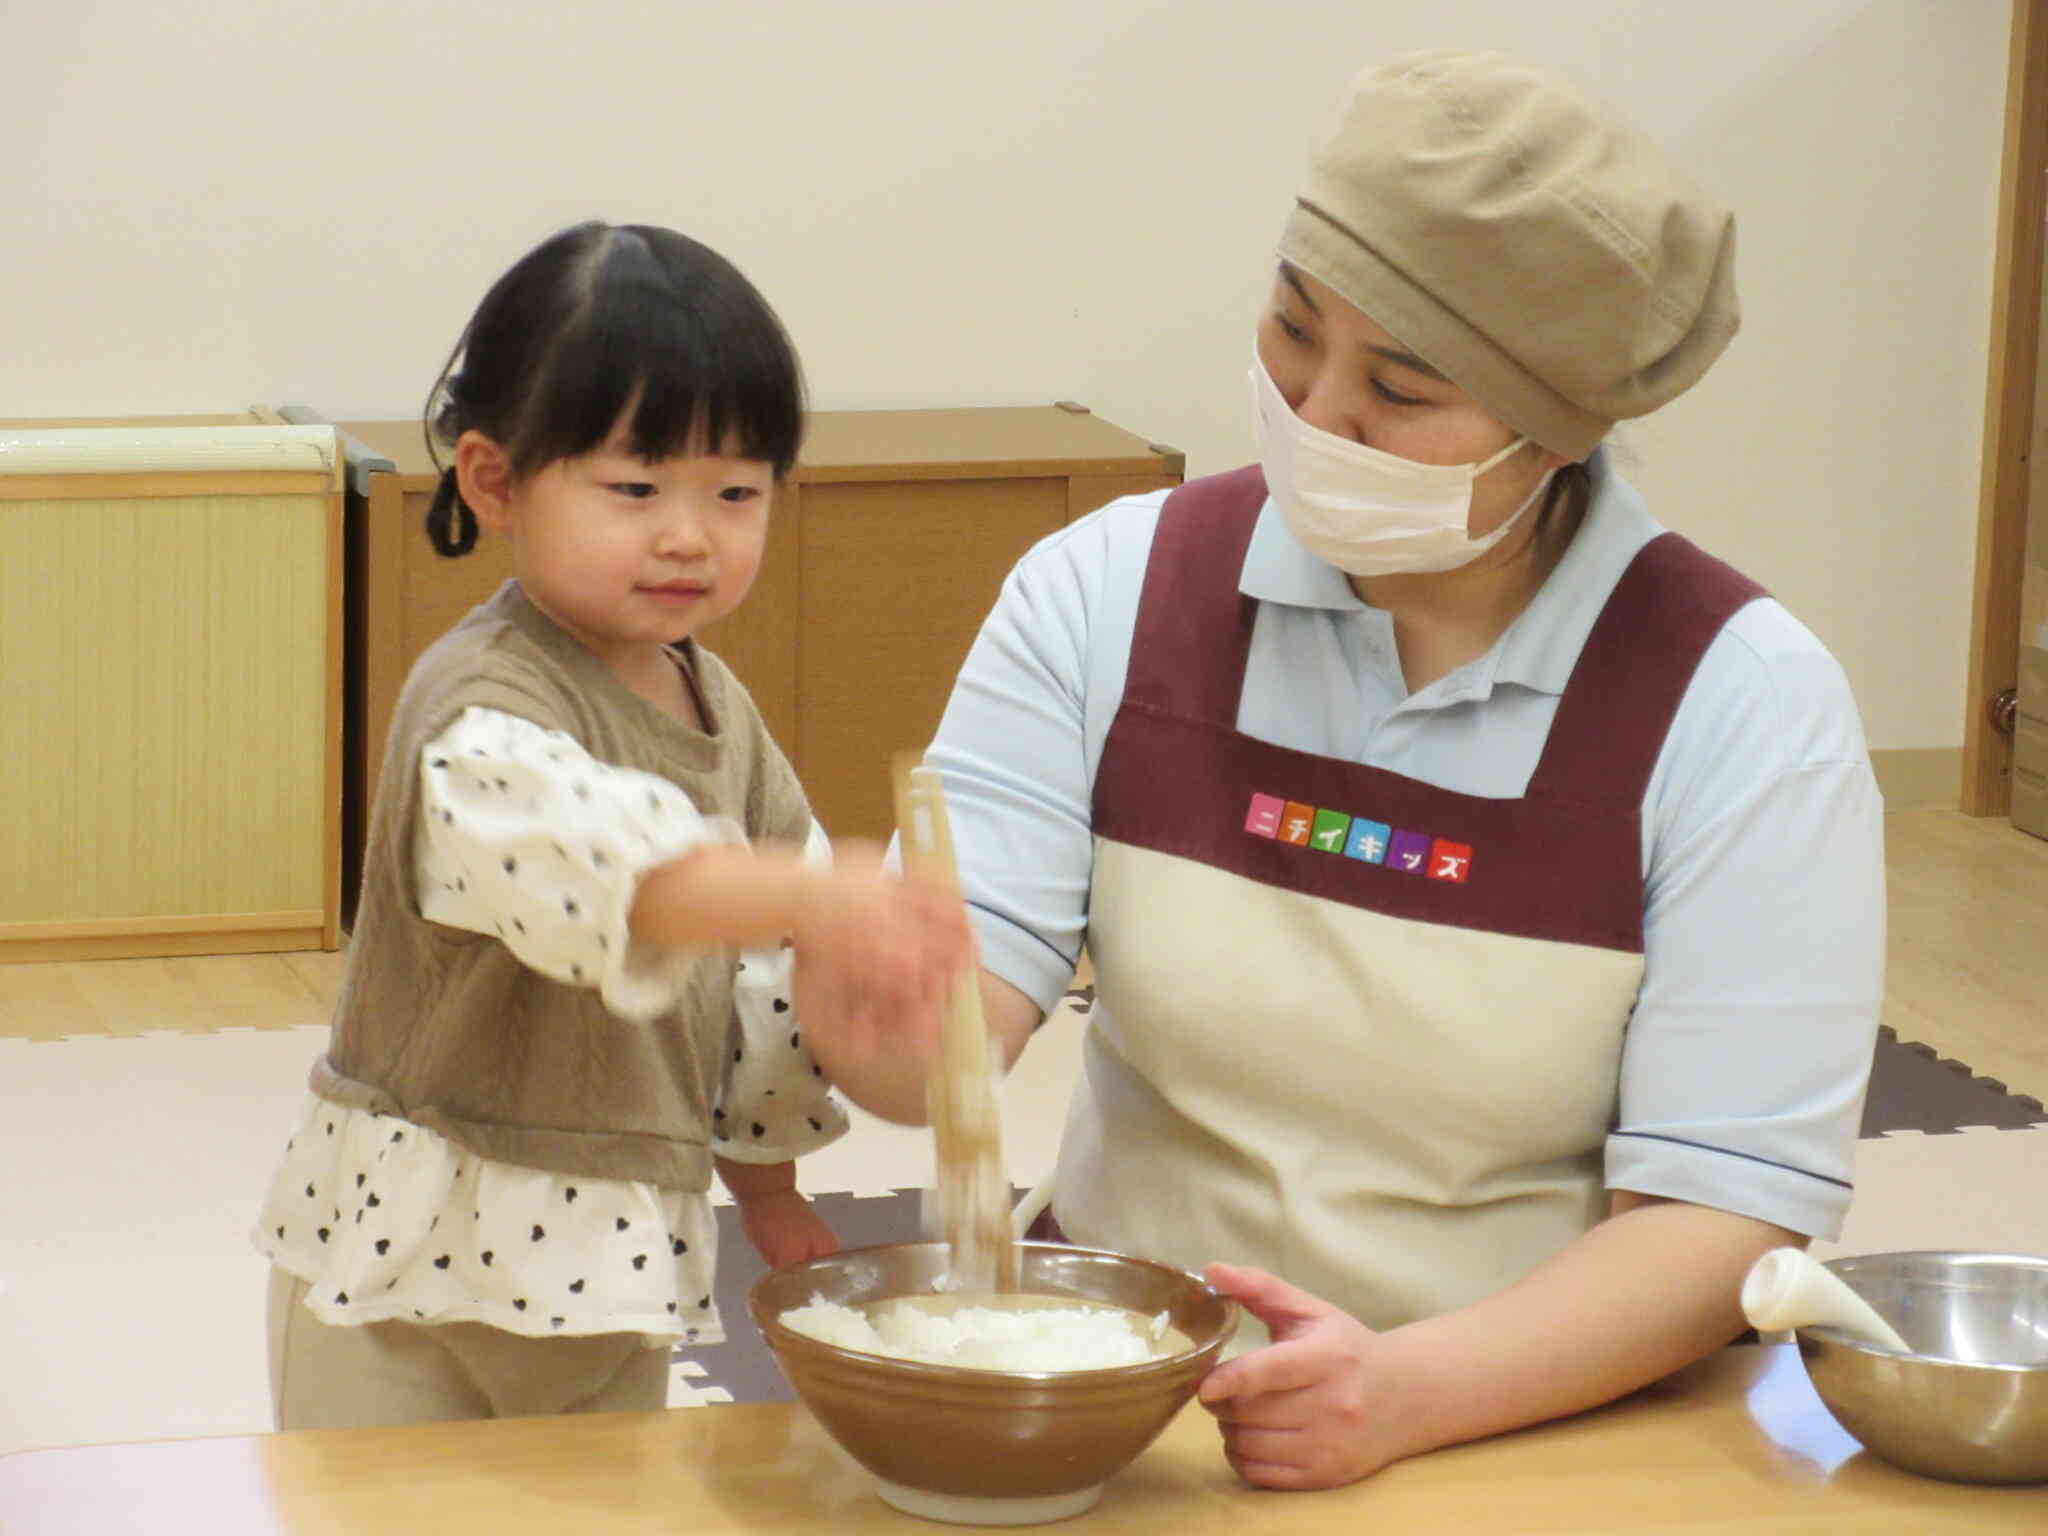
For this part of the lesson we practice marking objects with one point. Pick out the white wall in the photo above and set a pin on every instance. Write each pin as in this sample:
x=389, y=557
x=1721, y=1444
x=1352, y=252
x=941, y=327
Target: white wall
x=225, y=201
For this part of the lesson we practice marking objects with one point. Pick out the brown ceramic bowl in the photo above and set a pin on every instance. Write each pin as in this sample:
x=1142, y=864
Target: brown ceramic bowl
x=991, y=1447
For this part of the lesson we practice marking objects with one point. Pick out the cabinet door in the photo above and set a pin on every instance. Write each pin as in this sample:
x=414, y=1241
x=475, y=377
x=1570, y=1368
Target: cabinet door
x=2030, y=734
x=896, y=578
x=2030, y=724
x=760, y=640
x=169, y=676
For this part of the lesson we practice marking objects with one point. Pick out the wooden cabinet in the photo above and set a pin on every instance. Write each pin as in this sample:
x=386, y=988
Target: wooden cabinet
x=886, y=549
x=170, y=687
x=2030, y=720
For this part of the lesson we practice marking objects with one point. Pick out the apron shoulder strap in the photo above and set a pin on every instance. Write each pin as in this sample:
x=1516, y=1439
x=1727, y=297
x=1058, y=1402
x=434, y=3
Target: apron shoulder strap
x=1194, y=626
x=1625, y=689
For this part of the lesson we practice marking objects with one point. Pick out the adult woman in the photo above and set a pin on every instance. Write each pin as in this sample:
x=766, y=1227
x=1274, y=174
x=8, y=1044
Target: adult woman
x=1484, y=889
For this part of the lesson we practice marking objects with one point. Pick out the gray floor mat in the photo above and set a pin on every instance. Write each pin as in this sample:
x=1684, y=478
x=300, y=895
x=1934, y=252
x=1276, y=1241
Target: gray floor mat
x=1914, y=1088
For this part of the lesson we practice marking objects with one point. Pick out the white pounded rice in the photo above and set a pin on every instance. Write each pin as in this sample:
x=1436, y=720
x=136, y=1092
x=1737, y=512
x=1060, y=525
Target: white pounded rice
x=1059, y=1336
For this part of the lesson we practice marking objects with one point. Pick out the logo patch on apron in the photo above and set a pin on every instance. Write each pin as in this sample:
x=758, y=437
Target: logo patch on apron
x=1358, y=837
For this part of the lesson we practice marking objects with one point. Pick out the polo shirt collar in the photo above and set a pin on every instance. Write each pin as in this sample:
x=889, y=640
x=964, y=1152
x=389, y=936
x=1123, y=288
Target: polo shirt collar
x=1278, y=570
x=1541, y=647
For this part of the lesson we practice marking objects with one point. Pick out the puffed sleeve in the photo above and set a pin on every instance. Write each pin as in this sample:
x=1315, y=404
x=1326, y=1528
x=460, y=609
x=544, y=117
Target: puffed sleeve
x=525, y=836
x=776, y=1103
x=1748, y=1055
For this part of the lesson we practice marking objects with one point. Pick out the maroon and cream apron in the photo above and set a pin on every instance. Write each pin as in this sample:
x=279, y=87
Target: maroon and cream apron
x=1356, y=1029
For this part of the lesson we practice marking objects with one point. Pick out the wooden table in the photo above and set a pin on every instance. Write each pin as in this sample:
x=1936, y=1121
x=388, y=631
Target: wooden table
x=1738, y=1443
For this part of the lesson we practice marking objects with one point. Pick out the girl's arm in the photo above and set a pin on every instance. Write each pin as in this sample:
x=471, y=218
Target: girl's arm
x=886, y=943
x=1652, y=1288
x=721, y=894
x=607, y=877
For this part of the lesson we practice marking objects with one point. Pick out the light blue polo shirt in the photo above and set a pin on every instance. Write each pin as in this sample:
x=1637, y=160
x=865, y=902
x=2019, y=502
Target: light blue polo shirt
x=1749, y=1050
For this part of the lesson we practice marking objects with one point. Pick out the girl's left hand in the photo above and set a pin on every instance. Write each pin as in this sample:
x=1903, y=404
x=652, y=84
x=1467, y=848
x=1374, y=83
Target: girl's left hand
x=1308, y=1410
x=785, y=1228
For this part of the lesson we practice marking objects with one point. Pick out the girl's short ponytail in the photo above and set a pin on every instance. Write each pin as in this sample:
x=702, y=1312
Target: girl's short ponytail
x=451, y=526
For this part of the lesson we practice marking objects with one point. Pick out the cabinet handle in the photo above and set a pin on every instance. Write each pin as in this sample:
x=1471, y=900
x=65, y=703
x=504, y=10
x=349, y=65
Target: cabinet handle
x=2002, y=709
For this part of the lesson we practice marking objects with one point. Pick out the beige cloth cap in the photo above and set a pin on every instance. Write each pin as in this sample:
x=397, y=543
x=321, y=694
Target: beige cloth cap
x=1543, y=256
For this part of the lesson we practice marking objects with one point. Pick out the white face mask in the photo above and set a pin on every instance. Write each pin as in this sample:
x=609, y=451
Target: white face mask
x=1367, y=512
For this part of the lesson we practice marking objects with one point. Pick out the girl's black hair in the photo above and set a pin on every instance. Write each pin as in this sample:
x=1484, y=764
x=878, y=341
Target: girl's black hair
x=595, y=318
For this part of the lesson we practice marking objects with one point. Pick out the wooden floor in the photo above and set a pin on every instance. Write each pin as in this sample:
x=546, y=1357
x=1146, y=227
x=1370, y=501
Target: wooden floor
x=188, y=993
x=1967, y=974
x=1967, y=959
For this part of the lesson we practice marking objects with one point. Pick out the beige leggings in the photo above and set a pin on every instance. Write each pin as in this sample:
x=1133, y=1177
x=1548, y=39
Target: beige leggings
x=325, y=1377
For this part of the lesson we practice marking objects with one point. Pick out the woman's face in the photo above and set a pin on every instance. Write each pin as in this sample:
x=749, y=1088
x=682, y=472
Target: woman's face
x=1341, y=372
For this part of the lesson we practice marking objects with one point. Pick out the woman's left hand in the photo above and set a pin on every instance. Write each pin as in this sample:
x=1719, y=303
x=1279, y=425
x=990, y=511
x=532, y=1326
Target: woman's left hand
x=1308, y=1410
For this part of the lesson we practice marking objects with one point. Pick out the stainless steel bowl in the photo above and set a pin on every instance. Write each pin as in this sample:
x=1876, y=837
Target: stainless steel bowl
x=1970, y=1404
x=991, y=1447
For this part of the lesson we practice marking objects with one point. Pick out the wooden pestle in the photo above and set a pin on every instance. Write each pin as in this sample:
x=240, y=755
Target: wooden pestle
x=960, y=1096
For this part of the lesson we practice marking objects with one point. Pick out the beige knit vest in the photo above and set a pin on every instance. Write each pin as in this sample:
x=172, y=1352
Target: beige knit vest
x=446, y=1028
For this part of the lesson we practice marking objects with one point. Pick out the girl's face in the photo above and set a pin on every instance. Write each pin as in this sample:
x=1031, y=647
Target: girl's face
x=626, y=555
x=1341, y=372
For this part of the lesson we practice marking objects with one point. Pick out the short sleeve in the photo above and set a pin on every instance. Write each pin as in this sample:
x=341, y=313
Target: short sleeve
x=1748, y=1055
x=525, y=836
x=1015, y=747
x=776, y=1103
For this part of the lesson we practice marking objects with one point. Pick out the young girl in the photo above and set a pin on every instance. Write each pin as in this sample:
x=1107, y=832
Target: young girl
x=590, y=872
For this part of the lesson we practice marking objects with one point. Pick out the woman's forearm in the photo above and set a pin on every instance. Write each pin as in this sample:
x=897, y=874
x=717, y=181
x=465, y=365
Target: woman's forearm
x=1653, y=1288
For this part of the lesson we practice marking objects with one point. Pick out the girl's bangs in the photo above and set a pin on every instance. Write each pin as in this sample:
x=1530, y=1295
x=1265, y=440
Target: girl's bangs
x=699, y=376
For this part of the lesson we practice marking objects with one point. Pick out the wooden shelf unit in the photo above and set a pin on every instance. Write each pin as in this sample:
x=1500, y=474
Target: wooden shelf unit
x=170, y=686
